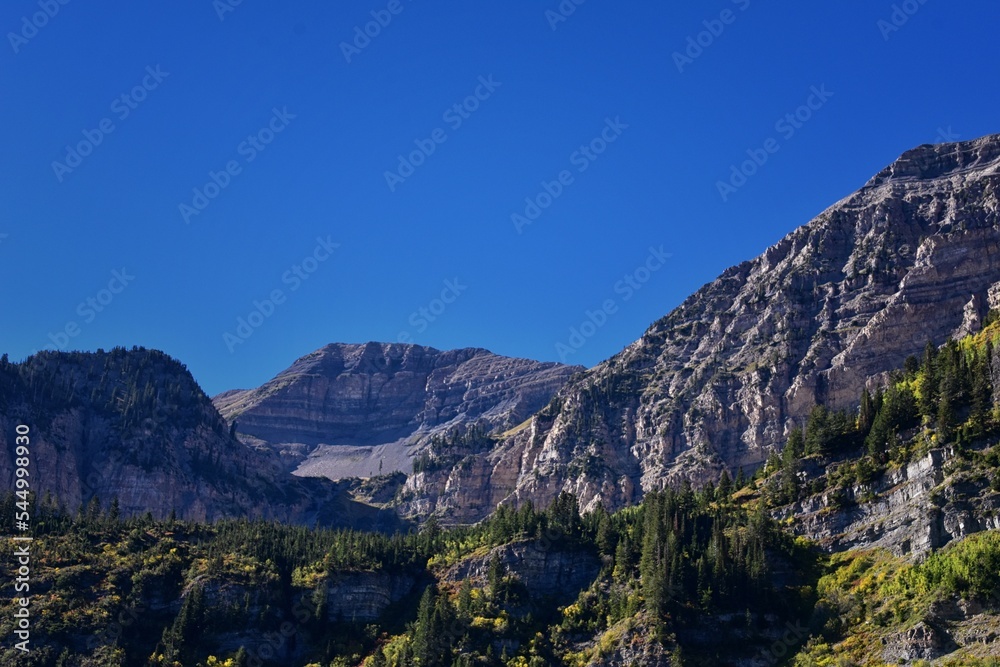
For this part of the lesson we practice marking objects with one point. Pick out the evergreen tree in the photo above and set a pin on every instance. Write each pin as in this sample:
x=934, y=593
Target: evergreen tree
x=981, y=390
x=928, y=385
x=725, y=486
x=651, y=563
x=866, y=413
x=114, y=514
x=465, y=599
x=819, y=434
x=794, y=448
x=564, y=514
x=495, y=578
x=605, y=531
x=423, y=629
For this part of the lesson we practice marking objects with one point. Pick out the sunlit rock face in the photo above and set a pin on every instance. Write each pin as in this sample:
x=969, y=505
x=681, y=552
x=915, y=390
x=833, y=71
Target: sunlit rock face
x=912, y=257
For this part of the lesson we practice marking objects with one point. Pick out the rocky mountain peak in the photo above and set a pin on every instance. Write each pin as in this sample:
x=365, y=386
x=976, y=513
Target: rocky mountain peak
x=134, y=426
x=912, y=257
x=359, y=409
x=936, y=161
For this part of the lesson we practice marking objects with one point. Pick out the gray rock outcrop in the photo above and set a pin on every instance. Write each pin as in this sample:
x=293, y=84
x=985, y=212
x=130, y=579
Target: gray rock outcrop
x=912, y=257
x=362, y=410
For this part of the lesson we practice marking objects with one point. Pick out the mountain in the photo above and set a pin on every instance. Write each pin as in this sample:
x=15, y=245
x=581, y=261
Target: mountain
x=134, y=426
x=871, y=540
x=912, y=257
x=362, y=410
x=855, y=367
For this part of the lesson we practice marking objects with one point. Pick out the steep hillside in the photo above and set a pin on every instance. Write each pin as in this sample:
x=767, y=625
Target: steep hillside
x=133, y=425
x=869, y=541
x=913, y=257
x=524, y=589
x=362, y=410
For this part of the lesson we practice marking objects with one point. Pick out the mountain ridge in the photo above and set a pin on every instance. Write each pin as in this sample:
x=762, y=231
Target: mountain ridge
x=133, y=426
x=351, y=409
x=717, y=383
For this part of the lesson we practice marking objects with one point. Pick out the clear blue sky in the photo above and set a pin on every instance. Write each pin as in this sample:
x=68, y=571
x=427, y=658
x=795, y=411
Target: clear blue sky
x=323, y=175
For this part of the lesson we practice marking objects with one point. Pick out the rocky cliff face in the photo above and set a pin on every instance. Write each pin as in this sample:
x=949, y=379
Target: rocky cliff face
x=365, y=596
x=914, y=256
x=909, y=511
x=543, y=568
x=135, y=426
x=361, y=410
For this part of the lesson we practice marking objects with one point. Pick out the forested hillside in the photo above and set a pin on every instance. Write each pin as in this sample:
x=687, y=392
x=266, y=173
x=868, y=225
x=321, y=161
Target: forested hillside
x=738, y=572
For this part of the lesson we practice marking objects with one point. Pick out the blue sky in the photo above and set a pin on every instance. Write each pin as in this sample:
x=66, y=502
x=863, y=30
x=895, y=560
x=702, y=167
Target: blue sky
x=590, y=116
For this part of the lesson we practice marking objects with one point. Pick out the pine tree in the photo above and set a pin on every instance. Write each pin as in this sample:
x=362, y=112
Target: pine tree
x=981, y=390
x=423, y=629
x=651, y=563
x=495, y=578
x=794, y=448
x=465, y=599
x=945, y=418
x=818, y=435
x=725, y=486
x=866, y=413
x=93, y=512
x=605, y=537
x=928, y=385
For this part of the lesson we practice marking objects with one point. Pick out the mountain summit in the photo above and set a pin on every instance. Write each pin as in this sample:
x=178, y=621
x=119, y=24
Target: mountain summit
x=913, y=257
x=360, y=410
